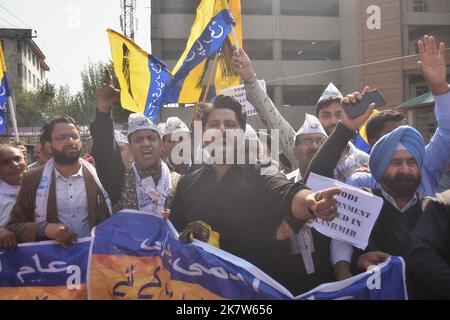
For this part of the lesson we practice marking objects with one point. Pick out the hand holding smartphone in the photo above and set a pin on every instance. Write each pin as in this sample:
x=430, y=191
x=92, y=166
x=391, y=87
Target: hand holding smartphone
x=354, y=110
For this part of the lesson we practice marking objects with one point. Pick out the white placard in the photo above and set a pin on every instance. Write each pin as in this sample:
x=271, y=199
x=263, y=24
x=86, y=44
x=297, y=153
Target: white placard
x=358, y=211
x=238, y=93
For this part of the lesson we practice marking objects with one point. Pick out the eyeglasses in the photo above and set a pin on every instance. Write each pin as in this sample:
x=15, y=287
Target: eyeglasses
x=63, y=138
x=7, y=162
x=310, y=142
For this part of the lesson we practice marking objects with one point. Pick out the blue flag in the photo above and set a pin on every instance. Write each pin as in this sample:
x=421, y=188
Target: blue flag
x=4, y=92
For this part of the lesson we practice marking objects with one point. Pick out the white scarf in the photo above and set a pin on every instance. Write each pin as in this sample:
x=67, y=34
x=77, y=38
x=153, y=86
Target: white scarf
x=8, y=189
x=151, y=198
x=44, y=189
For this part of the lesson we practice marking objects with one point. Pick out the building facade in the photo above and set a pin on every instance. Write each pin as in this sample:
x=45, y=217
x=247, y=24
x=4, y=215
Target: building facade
x=295, y=38
x=25, y=62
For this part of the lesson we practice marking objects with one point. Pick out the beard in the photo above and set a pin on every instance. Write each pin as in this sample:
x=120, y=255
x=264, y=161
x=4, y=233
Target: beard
x=64, y=158
x=402, y=185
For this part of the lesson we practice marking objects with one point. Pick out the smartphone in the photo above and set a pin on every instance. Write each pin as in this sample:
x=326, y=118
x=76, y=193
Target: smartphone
x=354, y=110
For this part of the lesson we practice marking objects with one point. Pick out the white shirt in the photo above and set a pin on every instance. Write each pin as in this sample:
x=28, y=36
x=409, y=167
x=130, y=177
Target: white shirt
x=8, y=196
x=71, y=203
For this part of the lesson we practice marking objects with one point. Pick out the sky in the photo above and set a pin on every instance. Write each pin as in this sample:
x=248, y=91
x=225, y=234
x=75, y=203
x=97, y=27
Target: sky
x=72, y=33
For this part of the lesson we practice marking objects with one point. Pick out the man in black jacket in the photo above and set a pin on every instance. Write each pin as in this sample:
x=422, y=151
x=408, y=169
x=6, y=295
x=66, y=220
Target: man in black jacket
x=429, y=251
x=245, y=206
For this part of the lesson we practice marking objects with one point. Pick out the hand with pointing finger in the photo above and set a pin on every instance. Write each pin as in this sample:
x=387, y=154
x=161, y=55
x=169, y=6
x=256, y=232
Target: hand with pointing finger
x=308, y=205
x=107, y=94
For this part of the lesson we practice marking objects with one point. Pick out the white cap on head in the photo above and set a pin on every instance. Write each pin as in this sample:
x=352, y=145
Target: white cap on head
x=330, y=92
x=137, y=121
x=120, y=138
x=311, y=125
x=250, y=133
x=175, y=125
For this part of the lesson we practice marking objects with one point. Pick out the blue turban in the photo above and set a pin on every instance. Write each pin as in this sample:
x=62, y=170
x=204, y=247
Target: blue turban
x=385, y=148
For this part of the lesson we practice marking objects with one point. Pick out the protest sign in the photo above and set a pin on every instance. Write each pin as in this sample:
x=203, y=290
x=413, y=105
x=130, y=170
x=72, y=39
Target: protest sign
x=358, y=211
x=238, y=93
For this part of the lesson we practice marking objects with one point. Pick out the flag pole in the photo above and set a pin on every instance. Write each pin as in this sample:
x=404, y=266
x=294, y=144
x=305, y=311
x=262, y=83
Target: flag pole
x=236, y=42
x=211, y=74
x=13, y=118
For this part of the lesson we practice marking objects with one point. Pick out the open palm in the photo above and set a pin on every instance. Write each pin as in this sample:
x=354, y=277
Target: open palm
x=432, y=63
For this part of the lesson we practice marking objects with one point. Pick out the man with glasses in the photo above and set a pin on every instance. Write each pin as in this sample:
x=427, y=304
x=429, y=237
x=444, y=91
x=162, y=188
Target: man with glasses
x=63, y=200
x=12, y=168
x=307, y=142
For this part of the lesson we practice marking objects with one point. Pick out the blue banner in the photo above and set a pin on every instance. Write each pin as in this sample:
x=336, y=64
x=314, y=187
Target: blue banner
x=384, y=282
x=139, y=256
x=135, y=255
x=44, y=271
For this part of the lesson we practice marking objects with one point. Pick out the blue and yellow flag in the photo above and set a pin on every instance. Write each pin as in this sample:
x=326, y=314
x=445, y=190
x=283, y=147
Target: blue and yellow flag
x=360, y=140
x=142, y=77
x=4, y=91
x=211, y=28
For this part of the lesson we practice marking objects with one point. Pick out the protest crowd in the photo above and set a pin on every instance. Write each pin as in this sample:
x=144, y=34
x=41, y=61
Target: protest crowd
x=218, y=181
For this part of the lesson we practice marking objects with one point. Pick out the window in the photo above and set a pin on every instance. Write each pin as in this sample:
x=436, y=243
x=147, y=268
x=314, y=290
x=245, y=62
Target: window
x=25, y=72
x=34, y=81
x=311, y=50
x=29, y=54
x=324, y=8
x=419, y=6
x=19, y=47
x=179, y=6
x=29, y=76
x=19, y=70
x=301, y=95
x=259, y=49
x=256, y=7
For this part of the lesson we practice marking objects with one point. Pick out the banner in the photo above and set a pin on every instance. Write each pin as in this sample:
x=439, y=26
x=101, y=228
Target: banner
x=138, y=256
x=384, y=282
x=238, y=93
x=358, y=211
x=44, y=271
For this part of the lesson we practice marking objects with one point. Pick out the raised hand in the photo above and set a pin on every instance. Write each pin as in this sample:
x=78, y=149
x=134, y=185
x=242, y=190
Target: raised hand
x=107, y=94
x=242, y=65
x=432, y=65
